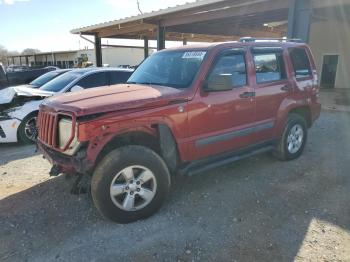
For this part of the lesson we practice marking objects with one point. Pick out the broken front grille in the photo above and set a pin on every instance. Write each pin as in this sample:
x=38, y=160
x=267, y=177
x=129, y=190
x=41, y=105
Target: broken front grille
x=47, y=125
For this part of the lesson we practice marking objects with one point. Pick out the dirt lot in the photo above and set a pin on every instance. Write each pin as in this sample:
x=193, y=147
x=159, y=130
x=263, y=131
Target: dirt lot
x=256, y=209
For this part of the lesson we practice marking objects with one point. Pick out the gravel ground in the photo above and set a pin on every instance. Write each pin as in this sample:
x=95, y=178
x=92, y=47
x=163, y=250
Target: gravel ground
x=257, y=209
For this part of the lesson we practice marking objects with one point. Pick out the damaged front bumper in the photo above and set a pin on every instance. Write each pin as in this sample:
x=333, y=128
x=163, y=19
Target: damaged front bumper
x=8, y=130
x=62, y=163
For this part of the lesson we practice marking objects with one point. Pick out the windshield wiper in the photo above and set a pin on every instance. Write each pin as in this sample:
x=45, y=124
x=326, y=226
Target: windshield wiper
x=151, y=83
x=146, y=83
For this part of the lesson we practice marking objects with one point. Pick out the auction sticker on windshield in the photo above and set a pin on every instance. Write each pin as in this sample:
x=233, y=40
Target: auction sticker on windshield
x=194, y=54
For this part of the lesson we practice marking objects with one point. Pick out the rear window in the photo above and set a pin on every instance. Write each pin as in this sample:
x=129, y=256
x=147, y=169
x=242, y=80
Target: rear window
x=269, y=67
x=301, y=63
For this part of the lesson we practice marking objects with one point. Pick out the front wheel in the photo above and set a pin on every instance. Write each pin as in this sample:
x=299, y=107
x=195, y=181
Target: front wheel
x=130, y=183
x=292, y=143
x=27, y=130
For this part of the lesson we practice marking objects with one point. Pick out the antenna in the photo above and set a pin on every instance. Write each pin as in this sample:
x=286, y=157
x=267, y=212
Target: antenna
x=138, y=7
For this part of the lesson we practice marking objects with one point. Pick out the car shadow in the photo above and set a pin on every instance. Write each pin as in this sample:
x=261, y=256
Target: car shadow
x=247, y=214
x=14, y=151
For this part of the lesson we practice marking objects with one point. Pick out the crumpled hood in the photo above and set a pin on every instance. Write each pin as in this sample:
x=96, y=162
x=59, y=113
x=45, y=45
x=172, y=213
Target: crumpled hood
x=8, y=94
x=114, y=98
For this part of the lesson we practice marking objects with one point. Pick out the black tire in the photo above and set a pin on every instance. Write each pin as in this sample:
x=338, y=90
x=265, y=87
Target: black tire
x=23, y=137
x=282, y=152
x=116, y=161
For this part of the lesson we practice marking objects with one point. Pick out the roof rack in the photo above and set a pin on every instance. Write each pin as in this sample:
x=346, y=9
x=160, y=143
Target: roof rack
x=283, y=39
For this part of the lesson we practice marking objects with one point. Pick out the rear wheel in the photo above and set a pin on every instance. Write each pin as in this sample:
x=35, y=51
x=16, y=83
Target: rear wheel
x=130, y=183
x=293, y=140
x=27, y=130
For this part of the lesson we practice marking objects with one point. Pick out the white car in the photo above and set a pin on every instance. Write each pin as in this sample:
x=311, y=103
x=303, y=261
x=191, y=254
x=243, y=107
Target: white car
x=19, y=105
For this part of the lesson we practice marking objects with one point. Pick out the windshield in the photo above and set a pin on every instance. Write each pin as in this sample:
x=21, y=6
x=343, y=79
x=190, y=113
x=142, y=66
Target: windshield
x=173, y=68
x=44, y=78
x=61, y=81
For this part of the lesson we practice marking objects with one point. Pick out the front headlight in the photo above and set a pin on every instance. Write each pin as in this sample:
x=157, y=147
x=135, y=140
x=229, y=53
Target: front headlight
x=65, y=127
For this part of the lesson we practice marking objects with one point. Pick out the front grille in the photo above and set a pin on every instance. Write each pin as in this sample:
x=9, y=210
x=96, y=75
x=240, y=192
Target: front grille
x=47, y=126
x=2, y=133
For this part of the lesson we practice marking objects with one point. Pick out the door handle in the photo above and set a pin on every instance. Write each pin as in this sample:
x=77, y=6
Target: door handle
x=247, y=95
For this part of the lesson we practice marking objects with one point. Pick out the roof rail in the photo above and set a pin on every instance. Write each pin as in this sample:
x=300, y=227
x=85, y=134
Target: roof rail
x=283, y=39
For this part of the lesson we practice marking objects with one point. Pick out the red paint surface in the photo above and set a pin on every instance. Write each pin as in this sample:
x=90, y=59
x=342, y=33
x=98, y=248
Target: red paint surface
x=129, y=108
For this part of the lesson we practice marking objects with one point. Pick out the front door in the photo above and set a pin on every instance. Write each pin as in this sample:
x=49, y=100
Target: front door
x=221, y=121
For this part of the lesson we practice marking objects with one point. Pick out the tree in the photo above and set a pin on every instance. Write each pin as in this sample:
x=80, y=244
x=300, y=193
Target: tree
x=3, y=54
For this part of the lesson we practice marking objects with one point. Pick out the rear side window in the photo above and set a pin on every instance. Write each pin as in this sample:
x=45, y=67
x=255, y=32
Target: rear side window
x=119, y=77
x=232, y=64
x=94, y=80
x=269, y=67
x=301, y=63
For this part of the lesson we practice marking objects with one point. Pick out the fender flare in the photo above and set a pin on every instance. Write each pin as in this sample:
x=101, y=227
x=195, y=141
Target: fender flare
x=168, y=147
x=283, y=111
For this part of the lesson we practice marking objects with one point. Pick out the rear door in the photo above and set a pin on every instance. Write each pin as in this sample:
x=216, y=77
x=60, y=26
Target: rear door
x=221, y=121
x=271, y=88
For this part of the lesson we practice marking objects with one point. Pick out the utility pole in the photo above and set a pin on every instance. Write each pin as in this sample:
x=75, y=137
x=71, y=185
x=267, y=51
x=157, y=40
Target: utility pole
x=138, y=7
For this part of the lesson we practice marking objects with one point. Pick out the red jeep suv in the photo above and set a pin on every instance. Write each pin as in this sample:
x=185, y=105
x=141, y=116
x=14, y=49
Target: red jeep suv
x=184, y=110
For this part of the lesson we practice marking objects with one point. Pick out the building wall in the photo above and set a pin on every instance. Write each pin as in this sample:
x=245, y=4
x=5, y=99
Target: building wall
x=114, y=56
x=330, y=36
x=59, y=57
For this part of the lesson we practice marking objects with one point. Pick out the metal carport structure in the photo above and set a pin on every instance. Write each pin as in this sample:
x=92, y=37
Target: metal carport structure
x=212, y=20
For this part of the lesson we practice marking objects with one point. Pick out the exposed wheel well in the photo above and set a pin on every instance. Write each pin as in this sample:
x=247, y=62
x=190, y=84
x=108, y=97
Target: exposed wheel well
x=131, y=138
x=303, y=112
x=163, y=143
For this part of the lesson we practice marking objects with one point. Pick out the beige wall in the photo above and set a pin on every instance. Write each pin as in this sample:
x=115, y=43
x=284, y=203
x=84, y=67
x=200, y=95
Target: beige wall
x=331, y=36
x=114, y=56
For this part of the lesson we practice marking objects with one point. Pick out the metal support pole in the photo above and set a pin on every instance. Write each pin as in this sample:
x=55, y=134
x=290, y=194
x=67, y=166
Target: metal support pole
x=299, y=19
x=13, y=60
x=54, y=59
x=160, y=37
x=35, y=60
x=98, y=51
x=184, y=41
x=145, y=46
x=27, y=61
x=20, y=60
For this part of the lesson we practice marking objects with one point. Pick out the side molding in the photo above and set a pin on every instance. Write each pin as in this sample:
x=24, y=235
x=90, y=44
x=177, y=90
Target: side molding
x=234, y=134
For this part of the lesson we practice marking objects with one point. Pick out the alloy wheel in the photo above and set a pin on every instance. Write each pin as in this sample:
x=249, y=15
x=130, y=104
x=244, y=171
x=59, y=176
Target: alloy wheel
x=133, y=188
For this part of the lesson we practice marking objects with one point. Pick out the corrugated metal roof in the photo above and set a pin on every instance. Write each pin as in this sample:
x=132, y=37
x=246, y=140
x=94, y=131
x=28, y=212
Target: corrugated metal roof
x=198, y=3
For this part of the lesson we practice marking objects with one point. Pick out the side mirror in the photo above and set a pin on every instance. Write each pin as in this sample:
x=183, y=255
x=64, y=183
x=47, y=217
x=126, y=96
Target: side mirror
x=76, y=88
x=217, y=83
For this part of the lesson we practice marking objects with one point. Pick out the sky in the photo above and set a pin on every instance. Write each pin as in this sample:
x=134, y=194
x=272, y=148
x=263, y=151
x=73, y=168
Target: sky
x=46, y=24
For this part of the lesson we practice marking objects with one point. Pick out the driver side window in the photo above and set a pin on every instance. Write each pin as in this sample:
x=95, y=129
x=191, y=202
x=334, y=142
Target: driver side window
x=232, y=64
x=93, y=80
